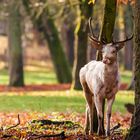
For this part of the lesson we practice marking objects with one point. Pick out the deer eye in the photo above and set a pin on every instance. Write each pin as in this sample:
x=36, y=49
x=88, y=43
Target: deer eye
x=113, y=51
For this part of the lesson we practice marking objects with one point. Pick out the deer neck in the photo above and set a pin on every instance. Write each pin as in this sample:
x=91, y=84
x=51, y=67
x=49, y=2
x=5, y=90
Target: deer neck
x=111, y=69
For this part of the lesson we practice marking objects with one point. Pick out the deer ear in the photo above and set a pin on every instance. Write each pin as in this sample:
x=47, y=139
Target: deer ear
x=95, y=44
x=119, y=46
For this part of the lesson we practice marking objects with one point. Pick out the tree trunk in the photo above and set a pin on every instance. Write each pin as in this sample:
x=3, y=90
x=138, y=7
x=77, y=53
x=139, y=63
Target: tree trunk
x=81, y=40
x=135, y=128
x=132, y=83
x=109, y=21
x=68, y=41
x=62, y=68
x=45, y=25
x=128, y=59
x=15, y=48
x=128, y=19
x=70, y=45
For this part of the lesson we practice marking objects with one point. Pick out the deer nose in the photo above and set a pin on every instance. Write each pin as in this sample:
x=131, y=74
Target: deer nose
x=104, y=61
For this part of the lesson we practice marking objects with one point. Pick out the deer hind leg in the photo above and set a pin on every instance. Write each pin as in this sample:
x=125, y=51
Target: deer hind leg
x=89, y=109
x=99, y=104
x=108, y=115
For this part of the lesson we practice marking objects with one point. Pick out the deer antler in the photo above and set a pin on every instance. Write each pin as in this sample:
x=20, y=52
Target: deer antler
x=127, y=39
x=120, y=44
x=92, y=36
x=98, y=44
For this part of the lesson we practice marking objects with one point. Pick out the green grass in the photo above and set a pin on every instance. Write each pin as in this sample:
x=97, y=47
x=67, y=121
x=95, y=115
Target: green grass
x=4, y=77
x=40, y=77
x=122, y=98
x=126, y=76
x=59, y=101
x=56, y=102
x=31, y=77
x=49, y=77
x=41, y=104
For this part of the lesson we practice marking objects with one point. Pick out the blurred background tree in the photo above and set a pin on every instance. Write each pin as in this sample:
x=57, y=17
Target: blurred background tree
x=81, y=40
x=15, y=48
x=44, y=22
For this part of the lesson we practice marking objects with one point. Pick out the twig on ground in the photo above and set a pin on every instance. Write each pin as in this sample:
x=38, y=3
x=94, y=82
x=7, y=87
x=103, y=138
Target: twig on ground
x=115, y=127
x=61, y=135
x=7, y=136
x=18, y=123
x=49, y=122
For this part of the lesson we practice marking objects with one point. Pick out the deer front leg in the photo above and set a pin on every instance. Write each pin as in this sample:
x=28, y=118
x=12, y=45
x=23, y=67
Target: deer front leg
x=98, y=103
x=109, y=109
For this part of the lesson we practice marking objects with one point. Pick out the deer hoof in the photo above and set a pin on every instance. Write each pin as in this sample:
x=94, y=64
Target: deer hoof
x=107, y=133
x=100, y=133
x=91, y=132
x=86, y=131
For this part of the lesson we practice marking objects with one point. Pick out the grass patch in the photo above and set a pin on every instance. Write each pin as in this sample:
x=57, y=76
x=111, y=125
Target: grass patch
x=47, y=76
x=126, y=76
x=32, y=77
x=56, y=102
x=122, y=98
x=40, y=77
x=4, y=78
x=41, y=104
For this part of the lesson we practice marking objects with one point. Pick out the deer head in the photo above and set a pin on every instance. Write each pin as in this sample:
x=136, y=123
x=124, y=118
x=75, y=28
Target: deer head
x=109, y=50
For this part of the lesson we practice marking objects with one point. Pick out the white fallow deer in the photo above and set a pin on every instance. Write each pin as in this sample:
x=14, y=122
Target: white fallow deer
x=99, y=80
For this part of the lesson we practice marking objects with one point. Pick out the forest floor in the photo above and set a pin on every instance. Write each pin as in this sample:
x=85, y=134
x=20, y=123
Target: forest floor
x=70, y=128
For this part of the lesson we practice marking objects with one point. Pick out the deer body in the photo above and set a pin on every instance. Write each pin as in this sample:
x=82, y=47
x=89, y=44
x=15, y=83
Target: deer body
x=98, y=75
x=99, y=80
